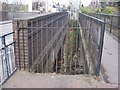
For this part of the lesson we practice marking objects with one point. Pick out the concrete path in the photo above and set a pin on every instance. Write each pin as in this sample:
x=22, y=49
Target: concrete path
x=110, y=57
x=23, y=79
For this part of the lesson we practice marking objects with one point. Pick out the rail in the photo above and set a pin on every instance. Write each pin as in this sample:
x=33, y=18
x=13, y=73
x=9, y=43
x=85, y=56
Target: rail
x=111, y=22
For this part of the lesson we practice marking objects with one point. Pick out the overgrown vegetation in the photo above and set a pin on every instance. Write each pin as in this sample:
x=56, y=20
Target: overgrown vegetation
x=110, y=10
x=107, y=10
x=86, y=10
x=72, y=36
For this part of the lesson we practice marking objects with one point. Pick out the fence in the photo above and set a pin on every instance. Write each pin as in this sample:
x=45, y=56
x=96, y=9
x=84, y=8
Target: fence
x=93, y=32
x=7, y=60
x=74, y=61
x=37, y=38
x=112, y=22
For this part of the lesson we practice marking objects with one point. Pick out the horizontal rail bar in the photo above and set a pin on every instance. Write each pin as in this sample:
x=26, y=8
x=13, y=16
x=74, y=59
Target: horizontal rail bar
x=94, y=18
x=45, y=24
x=112, y=24
x=6, y=34
x=7, y=45
x=5, y=22
x=37, y=16
x=107, y=14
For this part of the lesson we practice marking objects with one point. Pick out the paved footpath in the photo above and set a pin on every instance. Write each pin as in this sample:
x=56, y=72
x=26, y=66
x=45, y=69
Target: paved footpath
x=110, y=57
x=24, y=79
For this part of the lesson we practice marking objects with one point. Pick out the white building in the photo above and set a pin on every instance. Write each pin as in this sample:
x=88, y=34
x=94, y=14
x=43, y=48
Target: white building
x=37, y=6
x=74, y=8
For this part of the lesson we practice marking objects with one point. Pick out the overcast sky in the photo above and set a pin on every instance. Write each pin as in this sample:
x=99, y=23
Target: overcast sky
x=85, y=2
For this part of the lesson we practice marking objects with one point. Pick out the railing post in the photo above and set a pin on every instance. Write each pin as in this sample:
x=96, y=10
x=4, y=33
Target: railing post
x=111, y=24
x=18, y=44
x=90, y=27
x=100, y=49
x=5, y=57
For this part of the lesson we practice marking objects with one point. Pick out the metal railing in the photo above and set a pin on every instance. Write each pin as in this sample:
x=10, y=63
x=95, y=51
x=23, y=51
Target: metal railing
x=111, y=21
x=42, y=45
x=7, y=60
x=93, y=32
x=35, y=39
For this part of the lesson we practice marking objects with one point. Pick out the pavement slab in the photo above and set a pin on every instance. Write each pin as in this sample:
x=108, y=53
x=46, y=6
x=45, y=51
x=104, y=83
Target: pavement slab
x=110, y=58
x=24, y=79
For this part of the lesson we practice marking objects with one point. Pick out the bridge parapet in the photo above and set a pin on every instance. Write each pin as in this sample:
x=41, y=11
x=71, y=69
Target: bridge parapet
x=36, y=38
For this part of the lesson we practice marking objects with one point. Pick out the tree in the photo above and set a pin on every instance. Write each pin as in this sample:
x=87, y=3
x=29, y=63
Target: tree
x=24, y=8
x=58, y=4
x=4, y=6
x=82, y=5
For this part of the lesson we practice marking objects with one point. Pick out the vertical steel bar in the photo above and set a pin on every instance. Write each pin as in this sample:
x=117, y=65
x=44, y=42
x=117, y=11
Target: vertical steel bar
x=57, y=53
x=111, y=24
x=42, y=42
x=6, y=58
x=100, y=49
x=71, y=48
x=18, y=33
x=77, y=45
x=23, y=47
x=37, y=37
x=46, y=28
x=2, y=61
x=61, y=57
x=80, y=58
x=2, y=67
x=32, y=31
x=90, y=28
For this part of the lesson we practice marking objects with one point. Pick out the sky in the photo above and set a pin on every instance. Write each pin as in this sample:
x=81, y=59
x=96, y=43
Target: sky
x=66, y=2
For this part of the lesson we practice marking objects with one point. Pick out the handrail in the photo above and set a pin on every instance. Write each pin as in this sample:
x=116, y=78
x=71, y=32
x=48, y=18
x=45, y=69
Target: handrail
x=108, y=14
x=93, y=17
x=6, y=34
x=7, y=45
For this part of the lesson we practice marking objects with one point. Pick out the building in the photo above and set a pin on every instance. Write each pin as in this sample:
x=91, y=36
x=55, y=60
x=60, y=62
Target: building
x=3, y=13
x=55, y=7
x=94, y=4
x=38, y=6
x=74, y=8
